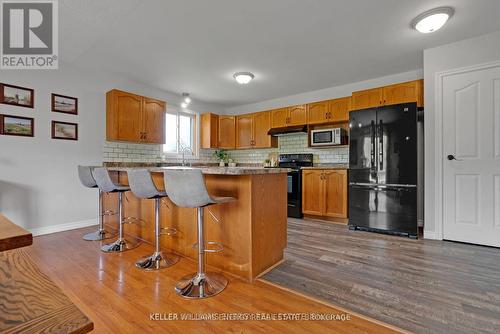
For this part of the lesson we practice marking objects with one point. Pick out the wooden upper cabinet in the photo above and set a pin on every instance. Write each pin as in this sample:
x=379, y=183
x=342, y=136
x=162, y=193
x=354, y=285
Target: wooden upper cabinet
x=245, y=131
x=339, y=109
x=261, y=126
x=335, y=193
x=404, y=93
x=154, y=121
x=312, y=192
x=134, y=118
x=209, y=132
x=317, y=112
x=279, y=118
x=227, y=132
x=297, y=115
x=367, y=99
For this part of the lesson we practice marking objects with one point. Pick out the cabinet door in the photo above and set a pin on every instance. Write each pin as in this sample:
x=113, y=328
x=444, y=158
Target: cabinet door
x=317, y=113
x=128, y=116
x=297, y=115
x=279, y=117
x=209, y=131
x=312, y=192
x=367, y=99
x=227, y=132
x=261, y=126
x=339, y=109
x=154, y=121
x=244, y=131
x=403, y=93
x=335, y=193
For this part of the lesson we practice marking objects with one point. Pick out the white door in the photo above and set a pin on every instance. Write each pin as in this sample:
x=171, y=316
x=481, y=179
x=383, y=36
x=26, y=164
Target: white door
x=471, y=139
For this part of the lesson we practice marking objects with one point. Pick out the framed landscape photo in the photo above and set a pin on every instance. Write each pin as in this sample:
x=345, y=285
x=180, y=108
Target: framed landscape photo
x=17, y=96
x=17, y=126
x=64, y=104
x=64, y=130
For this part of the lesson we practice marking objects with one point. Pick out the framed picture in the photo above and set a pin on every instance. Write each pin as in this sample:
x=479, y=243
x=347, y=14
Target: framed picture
x=17, y=96
x=64, y=130
x=17, y=126
x=64, y=104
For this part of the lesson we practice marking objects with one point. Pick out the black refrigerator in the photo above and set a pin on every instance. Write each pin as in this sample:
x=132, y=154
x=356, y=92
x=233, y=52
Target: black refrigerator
x=383, y=170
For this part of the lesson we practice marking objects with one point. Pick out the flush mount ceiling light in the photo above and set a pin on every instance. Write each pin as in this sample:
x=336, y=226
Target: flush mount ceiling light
x=432, y=20
x=243, y=77
x=186, y=100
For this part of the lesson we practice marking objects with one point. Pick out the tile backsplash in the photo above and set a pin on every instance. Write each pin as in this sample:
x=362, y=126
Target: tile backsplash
x=296, y=143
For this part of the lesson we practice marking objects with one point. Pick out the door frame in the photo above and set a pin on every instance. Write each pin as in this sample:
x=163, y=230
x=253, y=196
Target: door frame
x=438, y=143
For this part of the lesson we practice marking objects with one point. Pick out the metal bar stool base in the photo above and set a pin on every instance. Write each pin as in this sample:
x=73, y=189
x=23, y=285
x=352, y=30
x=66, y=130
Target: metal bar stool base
x=120, y=245
x=157, y=261
x=99, y=235
x=200, y=286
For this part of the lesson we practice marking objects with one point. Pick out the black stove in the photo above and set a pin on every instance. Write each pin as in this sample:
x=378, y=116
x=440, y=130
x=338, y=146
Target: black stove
x=295, y=162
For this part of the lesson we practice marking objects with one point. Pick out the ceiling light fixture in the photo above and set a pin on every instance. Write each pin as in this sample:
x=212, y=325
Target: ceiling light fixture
x=243, y=77
x=432, y=20
x=186, y=100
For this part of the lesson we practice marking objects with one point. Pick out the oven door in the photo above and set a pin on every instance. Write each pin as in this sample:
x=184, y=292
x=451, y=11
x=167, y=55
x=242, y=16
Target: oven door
x=322, y=137
x=294, y=189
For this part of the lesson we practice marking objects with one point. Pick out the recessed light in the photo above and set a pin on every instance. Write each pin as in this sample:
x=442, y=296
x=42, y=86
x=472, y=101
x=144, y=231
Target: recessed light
x=243, y=77
x=432, y=20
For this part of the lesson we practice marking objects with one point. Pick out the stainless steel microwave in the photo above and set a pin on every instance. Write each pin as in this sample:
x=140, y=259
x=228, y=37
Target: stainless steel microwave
x=328, y=137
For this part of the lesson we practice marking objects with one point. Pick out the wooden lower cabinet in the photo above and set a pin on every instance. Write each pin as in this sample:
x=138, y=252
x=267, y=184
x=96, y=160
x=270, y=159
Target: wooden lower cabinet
x=335, y=193
x=324, y=192
x=312, y=192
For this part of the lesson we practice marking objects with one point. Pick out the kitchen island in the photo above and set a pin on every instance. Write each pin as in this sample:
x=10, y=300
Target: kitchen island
x=252, y=229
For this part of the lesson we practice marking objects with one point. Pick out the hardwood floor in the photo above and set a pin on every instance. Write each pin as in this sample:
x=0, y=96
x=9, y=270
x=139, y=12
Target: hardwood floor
x=423, y=286
x=119, y=298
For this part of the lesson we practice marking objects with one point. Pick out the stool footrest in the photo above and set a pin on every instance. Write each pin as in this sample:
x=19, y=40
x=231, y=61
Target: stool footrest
x=132, y=220
x=109, y=213
x=218, y=249
x=168, y=231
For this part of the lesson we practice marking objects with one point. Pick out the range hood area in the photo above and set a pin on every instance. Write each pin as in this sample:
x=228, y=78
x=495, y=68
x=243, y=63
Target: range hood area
x=278, y=132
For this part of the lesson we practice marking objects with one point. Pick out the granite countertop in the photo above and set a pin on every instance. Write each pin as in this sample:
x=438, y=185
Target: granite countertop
x=211, y=170
x=328, y=166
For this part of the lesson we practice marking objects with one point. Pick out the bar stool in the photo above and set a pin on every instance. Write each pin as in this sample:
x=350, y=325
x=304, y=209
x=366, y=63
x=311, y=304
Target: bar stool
x=186, y=188
x=87, y=180
x=106, y=184
x=142, y=185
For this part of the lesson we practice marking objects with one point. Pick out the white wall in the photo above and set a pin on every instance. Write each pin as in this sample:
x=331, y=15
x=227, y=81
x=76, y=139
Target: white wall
x=465, y=53
x=39, y=187
x=325, y=94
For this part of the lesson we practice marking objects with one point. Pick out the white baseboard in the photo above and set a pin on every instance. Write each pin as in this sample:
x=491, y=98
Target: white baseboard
x=431, y=235
x=62, y=227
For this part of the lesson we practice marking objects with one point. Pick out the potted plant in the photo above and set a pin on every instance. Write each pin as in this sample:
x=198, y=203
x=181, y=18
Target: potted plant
x=231, y=163
x=267, y=163
x=222, y=156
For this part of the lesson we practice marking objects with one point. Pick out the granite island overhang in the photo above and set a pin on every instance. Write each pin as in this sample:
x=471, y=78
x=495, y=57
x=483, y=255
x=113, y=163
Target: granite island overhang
x=252, y=229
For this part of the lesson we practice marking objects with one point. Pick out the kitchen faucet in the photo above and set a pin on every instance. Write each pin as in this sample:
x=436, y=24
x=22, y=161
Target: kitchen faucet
x=184, y=150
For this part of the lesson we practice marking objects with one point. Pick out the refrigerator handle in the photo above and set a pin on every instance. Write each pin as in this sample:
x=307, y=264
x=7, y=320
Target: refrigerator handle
x=381, y=145
x=372, y=153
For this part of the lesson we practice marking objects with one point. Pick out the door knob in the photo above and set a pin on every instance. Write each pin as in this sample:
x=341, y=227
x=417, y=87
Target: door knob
x=452, y=157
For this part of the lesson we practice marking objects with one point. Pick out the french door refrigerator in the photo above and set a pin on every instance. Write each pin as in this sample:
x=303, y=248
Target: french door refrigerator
x=383, y=169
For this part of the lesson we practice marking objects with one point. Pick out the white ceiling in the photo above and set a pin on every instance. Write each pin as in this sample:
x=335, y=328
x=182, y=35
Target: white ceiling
x=291, y=46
